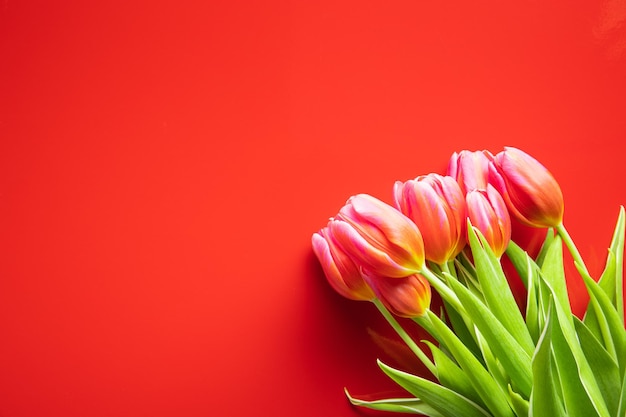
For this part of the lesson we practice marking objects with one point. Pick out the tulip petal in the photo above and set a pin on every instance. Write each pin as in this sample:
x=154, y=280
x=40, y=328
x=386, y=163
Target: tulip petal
x=369, y=255
x=341, y=272
x=532, y=194
x=405, y=297
x=385, y=229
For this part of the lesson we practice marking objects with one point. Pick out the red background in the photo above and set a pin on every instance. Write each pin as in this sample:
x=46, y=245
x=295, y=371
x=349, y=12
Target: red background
x=164, y=164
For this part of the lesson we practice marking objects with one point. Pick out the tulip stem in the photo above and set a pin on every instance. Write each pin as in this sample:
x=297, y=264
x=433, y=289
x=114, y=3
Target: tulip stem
x=443, y=290
x=571, y=246
x=405, y=337
x=445, y=268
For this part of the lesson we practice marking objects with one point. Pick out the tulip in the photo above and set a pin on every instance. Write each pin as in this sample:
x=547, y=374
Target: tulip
x=340, y=270
x=405, y=297
x=530, y=191
x=470, y=169
x=378, y=237
x=487, y=212
x=437, y=206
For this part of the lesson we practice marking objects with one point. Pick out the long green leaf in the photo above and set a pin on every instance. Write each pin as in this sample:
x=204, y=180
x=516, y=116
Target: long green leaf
x=496, y=290
x=517, y=256
x=513, y=357
x=622, y=399
x=581, y=394
x=468, y=277
x=493, y=364
x=552, y=270
x=603, y=366
x=461, y=329
x=544, y=247
x=397, y=405
x=520, y=405
x=545, y=399
x=608, y=278
x=533, y=322
x=612, y=280
x=489, y=391
x=576, y=399
x=613, y=333
x=445, y=401
x=450, y=375
x=594, y=319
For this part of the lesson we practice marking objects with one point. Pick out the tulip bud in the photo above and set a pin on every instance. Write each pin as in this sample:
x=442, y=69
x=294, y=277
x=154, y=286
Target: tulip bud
x=470, y=169
x=530, y=191
x=437, y=206
x=405, y=297
x=378, y=237
x=341, y=271
x=487, y=212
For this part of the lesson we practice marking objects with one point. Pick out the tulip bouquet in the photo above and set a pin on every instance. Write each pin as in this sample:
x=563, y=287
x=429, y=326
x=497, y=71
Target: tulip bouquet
x=488, y=356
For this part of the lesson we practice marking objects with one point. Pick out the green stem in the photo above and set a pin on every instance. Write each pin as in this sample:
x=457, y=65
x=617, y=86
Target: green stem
x=405, y=337
x=445, y=268
x=569, y=243
x=443, y=290
x=426, y=325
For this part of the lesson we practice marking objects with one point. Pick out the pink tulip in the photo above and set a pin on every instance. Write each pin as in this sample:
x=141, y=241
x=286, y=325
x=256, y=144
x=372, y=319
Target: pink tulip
x=530, y=191
x=405, y=297
x=470, y=169
x=437, y=206
x=341, y=271
x=378, y=237
x=487, y=212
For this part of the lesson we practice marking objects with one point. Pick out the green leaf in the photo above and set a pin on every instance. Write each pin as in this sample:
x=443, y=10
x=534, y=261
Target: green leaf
x=493, y=365
x=450, y=375
x=397, y=405
x=489, y=391
x=462, y=331
x=581, y=394
x=517, y=256
x=545, y=399
x=544, y=247
x=612, y=278
x=552, y=271
x=468, y=277
x=513, y=357
x=613, y=334
x=607, y=280
x=496, y=290
x=533, y=323
x=519, y=404
x=594, y=319
x=622, y=399
x=602, y=365
x=445, y=401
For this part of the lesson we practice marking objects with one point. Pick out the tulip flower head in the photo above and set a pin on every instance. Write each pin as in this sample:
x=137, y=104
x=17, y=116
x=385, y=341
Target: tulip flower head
x=487, y=212
x=470, y=169
x=340, y=270
x=437, y=206
x=530, y=191
x=378, y=237
x=405, y=297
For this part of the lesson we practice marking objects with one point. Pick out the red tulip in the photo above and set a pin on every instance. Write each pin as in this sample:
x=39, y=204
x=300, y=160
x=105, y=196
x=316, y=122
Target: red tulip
x=487, y=212
x=530, y=191
x=470, y=169
x=437, y=206
x=405, y=297
x=378, y=237
x=340, y=270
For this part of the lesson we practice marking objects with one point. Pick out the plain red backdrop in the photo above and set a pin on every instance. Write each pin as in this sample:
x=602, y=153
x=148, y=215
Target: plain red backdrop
x=163, y=165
